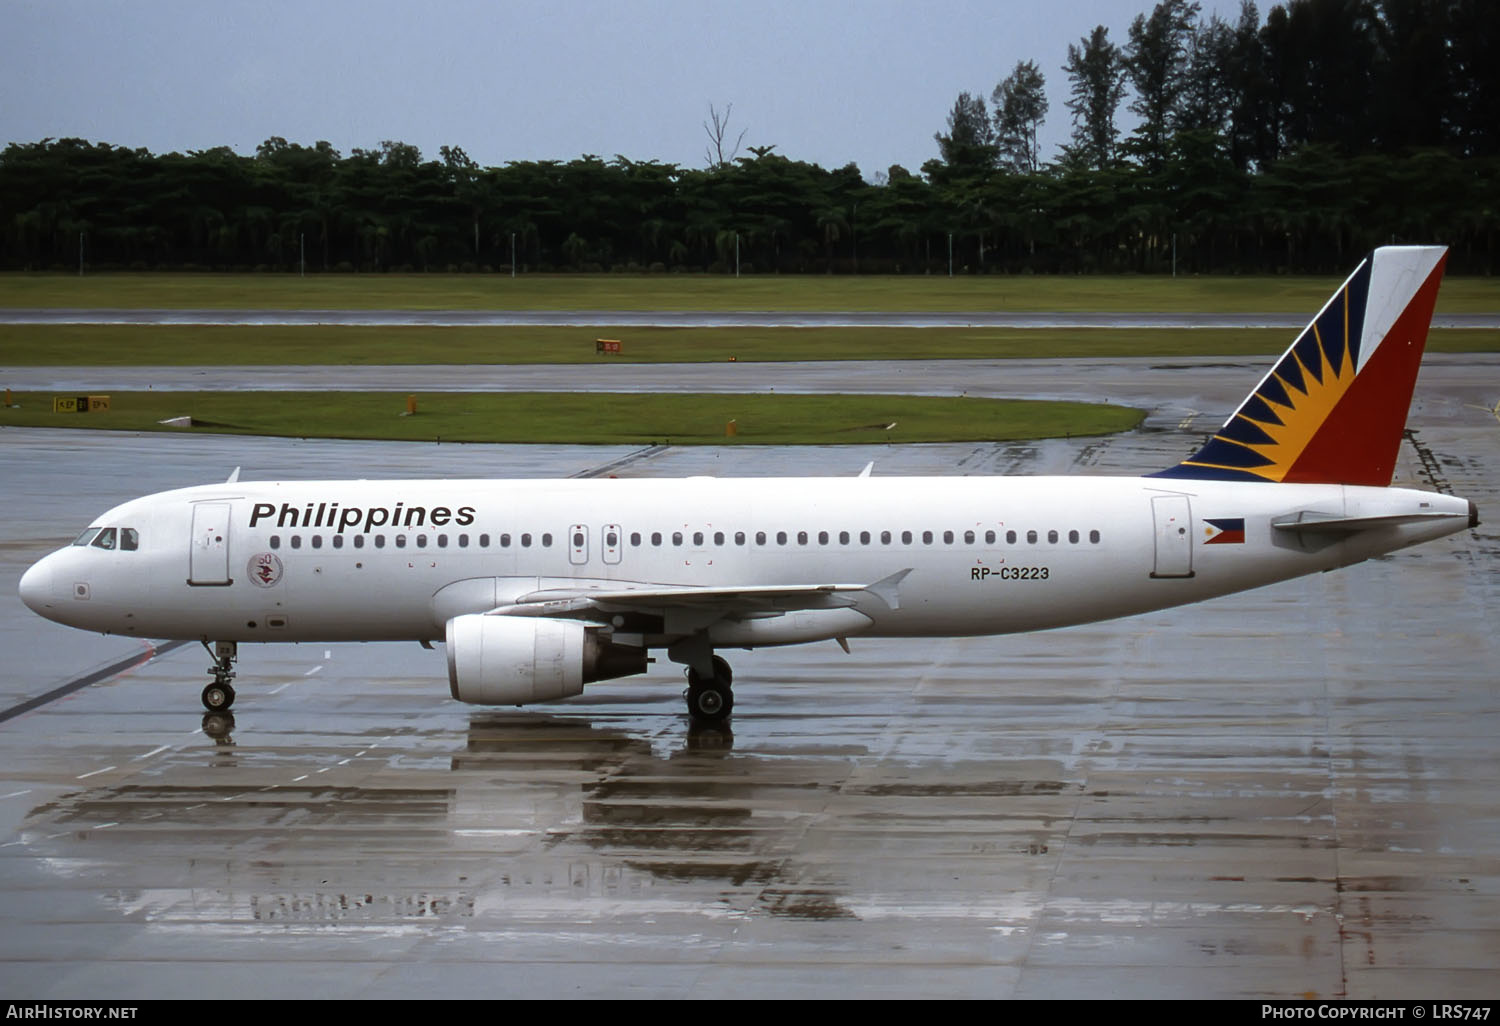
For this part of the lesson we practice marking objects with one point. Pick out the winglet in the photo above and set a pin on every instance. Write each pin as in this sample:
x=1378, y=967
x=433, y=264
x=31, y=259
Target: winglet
x=1333, y=408
x=887, y=589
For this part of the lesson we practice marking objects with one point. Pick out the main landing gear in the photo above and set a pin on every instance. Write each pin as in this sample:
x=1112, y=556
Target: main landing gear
x=710, y=699
x=218, y=695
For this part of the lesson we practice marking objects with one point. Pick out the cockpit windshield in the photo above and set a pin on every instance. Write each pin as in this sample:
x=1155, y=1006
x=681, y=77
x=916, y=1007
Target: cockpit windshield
x=127, y=539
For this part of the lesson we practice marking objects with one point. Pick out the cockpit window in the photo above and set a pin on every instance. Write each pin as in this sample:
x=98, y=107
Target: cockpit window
x=129, y=539
x=105, y=539
x=86, y=536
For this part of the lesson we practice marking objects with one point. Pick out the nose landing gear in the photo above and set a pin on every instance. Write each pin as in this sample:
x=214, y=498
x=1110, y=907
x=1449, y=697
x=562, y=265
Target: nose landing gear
x=218, y=695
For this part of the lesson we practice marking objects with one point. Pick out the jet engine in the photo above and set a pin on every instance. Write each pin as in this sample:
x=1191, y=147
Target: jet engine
x=513, y=660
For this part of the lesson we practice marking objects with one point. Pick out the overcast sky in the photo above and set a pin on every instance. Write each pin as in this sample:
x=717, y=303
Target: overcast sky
x=827, y=82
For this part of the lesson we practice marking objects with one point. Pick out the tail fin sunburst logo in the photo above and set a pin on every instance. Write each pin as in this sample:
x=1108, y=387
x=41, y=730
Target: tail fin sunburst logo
x=1332, y=409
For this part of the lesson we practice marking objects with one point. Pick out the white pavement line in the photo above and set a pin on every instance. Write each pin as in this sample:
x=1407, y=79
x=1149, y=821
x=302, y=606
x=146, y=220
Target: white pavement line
x=94, y=773
x=155, y=751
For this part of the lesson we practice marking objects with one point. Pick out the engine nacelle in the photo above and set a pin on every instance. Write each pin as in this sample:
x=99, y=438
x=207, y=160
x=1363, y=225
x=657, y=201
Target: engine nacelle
x=513, y=660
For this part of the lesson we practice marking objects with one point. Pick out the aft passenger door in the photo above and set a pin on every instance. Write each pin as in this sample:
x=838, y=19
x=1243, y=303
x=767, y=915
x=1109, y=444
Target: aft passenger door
x=1172, y=515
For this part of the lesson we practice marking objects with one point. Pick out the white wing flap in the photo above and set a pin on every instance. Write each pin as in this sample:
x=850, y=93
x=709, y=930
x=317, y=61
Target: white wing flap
x=771, y=598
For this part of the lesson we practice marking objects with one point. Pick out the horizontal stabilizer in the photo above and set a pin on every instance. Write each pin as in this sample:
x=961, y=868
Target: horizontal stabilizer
x=1312, y=522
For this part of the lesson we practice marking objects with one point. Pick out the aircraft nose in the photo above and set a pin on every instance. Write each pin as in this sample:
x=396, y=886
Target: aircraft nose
x=36, y=587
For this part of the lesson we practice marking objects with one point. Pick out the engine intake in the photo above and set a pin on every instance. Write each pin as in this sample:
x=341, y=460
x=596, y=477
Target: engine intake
x=513, y=660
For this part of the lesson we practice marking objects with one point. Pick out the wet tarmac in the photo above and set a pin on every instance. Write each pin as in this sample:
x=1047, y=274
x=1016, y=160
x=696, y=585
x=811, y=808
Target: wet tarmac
x=689, y=318
x=1291, y=792
x=1174, y=387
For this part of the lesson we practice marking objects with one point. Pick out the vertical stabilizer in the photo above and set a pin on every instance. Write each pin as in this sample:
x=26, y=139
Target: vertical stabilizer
x=1333, y=408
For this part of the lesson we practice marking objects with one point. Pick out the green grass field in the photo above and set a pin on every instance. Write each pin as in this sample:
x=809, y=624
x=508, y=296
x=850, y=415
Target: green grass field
x=602, y=419
x=146, y=345
x=703, y=292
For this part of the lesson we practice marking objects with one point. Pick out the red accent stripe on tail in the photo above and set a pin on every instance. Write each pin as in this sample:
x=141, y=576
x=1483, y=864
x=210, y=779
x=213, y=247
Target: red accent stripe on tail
x=1359, y=441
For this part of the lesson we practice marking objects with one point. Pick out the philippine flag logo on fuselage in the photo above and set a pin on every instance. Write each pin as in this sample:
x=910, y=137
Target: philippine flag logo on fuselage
x=1224, y=531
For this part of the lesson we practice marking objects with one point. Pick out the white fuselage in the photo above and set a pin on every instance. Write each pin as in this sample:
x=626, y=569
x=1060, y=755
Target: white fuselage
x=395, y=560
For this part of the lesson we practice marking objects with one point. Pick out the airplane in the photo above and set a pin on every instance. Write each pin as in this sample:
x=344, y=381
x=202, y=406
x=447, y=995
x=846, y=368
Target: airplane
x=537, y=588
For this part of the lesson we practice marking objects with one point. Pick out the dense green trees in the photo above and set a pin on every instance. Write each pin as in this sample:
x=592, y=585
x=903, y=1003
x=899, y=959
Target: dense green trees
x=1291, y=144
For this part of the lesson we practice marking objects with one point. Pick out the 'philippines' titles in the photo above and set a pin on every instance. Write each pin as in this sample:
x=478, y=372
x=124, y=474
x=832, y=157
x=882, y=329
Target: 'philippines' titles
x=364, y=519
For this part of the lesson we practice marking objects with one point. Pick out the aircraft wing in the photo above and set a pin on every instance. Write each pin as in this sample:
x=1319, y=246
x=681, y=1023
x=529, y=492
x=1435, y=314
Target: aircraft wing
x=735, y=601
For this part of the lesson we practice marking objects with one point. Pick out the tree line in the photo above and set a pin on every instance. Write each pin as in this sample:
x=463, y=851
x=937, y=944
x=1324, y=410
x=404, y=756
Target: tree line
x=1289, y=145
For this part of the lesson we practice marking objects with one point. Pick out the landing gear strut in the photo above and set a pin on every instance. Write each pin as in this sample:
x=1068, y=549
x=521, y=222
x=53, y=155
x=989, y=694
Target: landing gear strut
x=710, y=699
x=218, y=696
